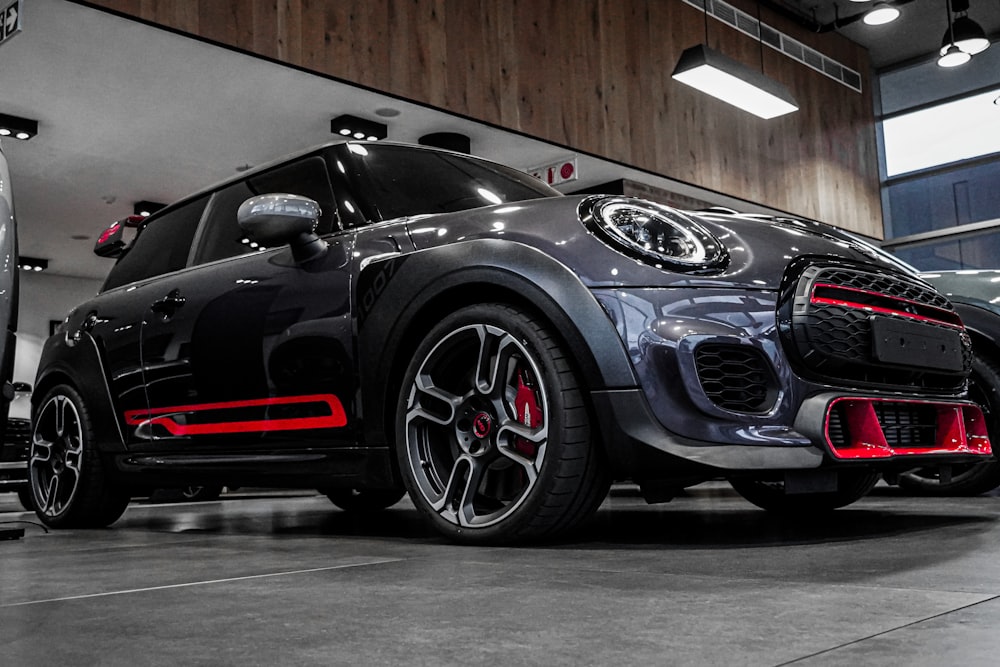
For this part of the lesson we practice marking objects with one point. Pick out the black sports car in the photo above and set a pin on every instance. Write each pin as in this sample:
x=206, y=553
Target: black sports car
x=365, y=318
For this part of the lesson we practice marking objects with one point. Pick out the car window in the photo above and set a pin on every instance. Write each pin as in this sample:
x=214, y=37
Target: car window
x=407, y=181
x=161, y=246
x=307, y=177
x=221, y=235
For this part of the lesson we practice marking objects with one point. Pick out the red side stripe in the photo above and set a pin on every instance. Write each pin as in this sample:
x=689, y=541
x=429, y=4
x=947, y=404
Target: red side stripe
x=335, y=419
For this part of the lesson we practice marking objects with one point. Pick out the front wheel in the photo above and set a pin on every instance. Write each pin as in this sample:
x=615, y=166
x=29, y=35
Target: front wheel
x=69, y=486
x=493, y=433
x=771, y=496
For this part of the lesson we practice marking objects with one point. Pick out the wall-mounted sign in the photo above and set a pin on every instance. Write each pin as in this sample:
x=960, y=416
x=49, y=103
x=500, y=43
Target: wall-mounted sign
x=556, y=172
x=10, y=20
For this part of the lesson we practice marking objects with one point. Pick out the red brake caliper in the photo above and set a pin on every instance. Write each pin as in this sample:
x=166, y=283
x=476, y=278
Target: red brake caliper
x=528, y=413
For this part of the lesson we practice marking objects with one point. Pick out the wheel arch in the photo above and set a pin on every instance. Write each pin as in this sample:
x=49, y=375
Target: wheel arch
x=80, y=367
x=429, y=284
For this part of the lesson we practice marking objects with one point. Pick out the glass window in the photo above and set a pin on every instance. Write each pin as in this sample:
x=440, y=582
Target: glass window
x=307, y=177
x=408, y=181
x=979, y=251
x=942, y=134
x=161, y=246
x=222, y=237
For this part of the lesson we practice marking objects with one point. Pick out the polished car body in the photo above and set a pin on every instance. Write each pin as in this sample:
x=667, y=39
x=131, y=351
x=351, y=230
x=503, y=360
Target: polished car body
x=368, y=317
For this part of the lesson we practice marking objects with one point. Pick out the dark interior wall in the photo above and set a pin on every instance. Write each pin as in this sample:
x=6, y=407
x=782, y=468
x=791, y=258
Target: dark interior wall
x=589, y=74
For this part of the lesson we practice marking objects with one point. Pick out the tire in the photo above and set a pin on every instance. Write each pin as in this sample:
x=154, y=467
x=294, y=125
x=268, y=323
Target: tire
x=770, y=495
x=493, y=434
x=187, y=494
x=364, y=500
x=969, y=479
x=69, y=486
x=24, y=497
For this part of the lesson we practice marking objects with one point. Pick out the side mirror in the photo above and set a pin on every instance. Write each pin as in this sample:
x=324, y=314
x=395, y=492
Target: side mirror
x=276, y=219
x=111, y=243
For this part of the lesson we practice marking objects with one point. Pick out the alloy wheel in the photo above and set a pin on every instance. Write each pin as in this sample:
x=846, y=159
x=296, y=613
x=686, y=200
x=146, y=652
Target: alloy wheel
x=56, y=458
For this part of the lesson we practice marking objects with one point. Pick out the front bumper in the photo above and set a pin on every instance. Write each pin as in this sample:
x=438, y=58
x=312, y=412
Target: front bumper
x=718, y=397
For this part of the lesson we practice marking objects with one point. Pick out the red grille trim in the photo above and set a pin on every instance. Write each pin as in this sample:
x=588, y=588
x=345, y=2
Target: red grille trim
x=960, y=428
x=832, y=297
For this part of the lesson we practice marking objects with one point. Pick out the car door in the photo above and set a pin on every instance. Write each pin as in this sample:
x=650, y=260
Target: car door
x=247, y=349
x=115, y=318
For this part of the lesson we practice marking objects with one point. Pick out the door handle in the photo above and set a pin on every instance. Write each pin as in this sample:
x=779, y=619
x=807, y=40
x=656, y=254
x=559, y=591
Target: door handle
x=169, y=304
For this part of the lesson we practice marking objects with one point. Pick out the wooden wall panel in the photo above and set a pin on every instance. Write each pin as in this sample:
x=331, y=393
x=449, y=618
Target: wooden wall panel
x=593, y=75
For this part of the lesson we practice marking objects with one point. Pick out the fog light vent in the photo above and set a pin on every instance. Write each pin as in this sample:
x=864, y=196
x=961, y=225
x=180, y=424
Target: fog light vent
x=736, y=378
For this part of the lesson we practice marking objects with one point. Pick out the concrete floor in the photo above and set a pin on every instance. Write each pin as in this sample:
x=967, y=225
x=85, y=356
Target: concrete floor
x=284, y=578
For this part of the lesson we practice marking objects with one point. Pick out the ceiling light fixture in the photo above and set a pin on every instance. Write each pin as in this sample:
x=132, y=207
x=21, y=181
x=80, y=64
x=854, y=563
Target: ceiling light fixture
x=19, y=128
x=732, y=82
x=34, y=264
x=881, y=14
x=358, y=128
x=963, y=32
x=951, y=54
x=146, y=208
x=451, y=141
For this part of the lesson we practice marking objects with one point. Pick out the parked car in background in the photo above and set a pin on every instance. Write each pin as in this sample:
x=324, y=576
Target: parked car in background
x=373, y=318
x=14, y=450
x=976, y=296
x=11, y=461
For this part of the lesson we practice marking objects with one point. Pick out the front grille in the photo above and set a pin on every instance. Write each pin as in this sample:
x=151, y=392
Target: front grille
x=829, y=329
x=903, y=425
x=736, y=378
x=16, y=440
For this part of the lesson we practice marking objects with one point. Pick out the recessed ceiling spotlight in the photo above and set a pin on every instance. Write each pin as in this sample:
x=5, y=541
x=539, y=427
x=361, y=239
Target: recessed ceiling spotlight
x=34, y=264
x=387, y=112
x=19, y=128
x=359, y=128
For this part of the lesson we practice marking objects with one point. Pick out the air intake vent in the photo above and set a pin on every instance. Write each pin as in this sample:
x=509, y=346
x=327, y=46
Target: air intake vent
x=779, y=41
x=736, y=378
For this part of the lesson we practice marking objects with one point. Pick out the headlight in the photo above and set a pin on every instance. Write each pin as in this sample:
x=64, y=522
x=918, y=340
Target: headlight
x=653, y=233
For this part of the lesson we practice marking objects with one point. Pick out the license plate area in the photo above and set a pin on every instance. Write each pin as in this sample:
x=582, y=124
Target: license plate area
x=910, y=343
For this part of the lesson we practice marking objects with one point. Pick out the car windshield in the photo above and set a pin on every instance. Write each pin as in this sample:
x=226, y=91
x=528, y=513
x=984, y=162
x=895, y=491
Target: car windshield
x=407, y=181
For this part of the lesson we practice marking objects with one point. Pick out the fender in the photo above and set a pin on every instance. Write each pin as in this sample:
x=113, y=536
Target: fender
x=80, y=366
x=983, y=325
x=404, y=296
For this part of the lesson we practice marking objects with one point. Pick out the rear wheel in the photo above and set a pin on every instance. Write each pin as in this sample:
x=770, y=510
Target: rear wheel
x=364, y=500
x=968, y=479
x=24, y=496
x=493, y=434
x=69, y=485
x=771, y=496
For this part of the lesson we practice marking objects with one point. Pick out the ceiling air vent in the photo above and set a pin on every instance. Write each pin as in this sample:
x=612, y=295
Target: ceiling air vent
x=779, y=41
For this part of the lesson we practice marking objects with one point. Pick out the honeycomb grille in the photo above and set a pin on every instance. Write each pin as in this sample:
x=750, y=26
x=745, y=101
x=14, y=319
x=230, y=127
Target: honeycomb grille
x=736, y=378
x=831, y=328
x=886, y=285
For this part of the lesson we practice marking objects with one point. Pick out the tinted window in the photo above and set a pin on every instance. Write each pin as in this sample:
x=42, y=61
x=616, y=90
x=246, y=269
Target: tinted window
x=222, y=236
x=407, y=181
x=161, y=246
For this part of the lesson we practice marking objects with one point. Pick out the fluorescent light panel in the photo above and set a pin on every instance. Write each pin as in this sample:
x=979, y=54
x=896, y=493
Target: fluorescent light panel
x=734, y=83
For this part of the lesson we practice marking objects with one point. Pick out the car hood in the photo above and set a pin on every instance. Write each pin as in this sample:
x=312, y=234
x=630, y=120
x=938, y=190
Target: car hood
x=760, y=250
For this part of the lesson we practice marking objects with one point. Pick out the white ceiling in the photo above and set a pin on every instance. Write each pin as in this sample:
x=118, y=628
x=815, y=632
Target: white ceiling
x=129, y=112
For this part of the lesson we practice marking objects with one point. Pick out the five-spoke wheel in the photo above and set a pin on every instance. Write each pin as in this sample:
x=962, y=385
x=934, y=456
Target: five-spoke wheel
x=493, y=434
x=68, y=484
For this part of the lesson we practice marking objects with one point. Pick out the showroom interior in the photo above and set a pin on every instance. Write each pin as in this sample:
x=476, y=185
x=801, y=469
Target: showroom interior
x=132, y=104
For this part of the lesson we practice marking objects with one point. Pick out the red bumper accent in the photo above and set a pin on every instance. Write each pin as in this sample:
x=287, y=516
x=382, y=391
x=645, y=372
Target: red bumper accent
x=168, y=417
x=958, y=428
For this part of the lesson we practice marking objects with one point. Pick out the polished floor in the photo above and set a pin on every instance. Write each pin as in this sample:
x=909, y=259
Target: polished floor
x=284, y=578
